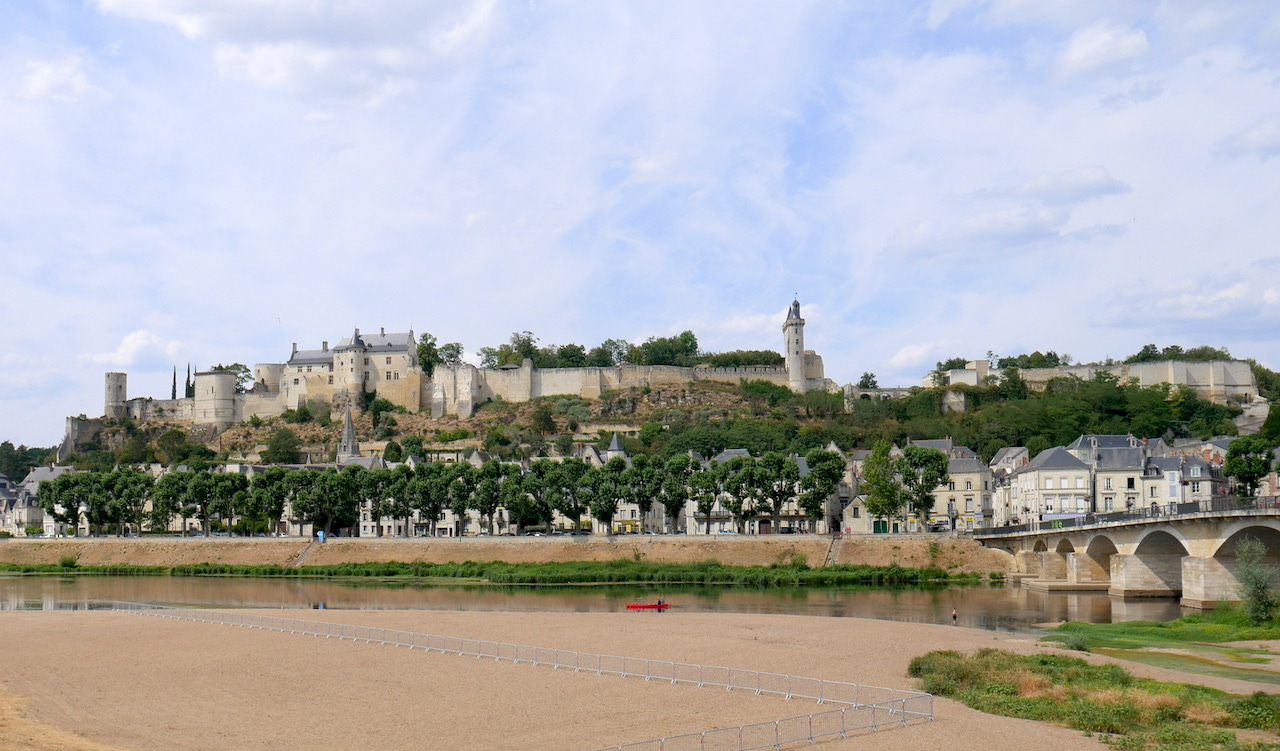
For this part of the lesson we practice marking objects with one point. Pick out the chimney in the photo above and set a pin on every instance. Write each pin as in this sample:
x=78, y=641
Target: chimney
x=382, y=331
x=295, y=348
x=324, y=346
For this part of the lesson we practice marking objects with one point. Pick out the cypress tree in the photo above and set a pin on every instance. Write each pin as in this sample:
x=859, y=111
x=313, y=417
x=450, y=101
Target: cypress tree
x=173, y=394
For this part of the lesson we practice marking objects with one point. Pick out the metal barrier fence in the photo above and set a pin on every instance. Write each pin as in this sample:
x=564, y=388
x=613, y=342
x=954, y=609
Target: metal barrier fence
x=867, y=708
x=1224, y=506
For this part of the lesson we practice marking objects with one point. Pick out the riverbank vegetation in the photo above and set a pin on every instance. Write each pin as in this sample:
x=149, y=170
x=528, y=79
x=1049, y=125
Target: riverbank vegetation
x=1126, y=712
x=1228, y=623
x=793, y=573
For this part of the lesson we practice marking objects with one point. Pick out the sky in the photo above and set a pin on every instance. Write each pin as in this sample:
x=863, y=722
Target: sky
x=209, y=181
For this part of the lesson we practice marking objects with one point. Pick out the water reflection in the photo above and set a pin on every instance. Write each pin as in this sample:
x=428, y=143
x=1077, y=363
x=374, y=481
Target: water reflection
x=1002, y=608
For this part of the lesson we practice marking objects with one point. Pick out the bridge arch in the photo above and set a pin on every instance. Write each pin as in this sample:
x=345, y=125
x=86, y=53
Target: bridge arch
x=1095, y=561
x=1266, y=531
x=1057, y=563
x=1155, y=567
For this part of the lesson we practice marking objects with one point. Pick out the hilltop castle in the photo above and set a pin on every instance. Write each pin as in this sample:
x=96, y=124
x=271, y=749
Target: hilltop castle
x=387, y=365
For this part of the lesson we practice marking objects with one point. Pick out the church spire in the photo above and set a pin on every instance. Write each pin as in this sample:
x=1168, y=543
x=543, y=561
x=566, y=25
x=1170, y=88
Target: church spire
x=348, y=447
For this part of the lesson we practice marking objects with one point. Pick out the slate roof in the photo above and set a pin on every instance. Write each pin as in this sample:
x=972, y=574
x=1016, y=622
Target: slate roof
x=941, y=444
x=1005, y=454
x=31, y=483
x=1054, y=458
x=394, y=342
x=1104, y=442
x=728, y=454
x=1120, y=458
x=312, y=357
x=961, y=466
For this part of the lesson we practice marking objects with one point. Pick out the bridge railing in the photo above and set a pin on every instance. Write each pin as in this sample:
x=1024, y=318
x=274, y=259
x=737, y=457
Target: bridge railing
x=1219, y=505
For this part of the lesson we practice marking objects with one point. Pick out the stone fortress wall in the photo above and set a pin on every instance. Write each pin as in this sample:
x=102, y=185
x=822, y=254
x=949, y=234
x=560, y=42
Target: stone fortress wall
x=1222, y=381
x=386, y=365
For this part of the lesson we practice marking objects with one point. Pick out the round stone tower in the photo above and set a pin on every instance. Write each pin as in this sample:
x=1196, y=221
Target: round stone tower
x=117, y=394
x=215, y=402
x=349, y=370
x=793, y=349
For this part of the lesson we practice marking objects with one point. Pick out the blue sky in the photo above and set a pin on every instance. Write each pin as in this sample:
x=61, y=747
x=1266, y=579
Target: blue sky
x=210, y=180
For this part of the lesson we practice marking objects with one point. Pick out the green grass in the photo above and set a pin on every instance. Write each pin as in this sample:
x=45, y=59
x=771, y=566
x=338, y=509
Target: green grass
x=622, y=571
x=1225, y=624
x=1126, y=712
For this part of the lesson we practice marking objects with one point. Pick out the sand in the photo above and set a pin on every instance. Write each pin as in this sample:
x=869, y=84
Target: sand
x=95, y=681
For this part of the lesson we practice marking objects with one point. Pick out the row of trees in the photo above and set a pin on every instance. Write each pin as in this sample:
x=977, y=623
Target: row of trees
x=126, y=499
x=681, y=349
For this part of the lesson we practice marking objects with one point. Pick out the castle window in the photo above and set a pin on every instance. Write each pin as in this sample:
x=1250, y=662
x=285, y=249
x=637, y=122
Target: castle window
x=388, y=375
x=308, y=368
x=366, y=361
x=295, y=382
x=330, y=380
x=388, y=360
x=397, y=376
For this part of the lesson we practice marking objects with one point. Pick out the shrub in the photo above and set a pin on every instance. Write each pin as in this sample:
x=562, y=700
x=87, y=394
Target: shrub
x=68, y=561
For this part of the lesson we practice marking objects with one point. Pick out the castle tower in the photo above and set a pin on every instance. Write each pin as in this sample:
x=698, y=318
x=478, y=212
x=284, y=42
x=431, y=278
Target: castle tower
x=349, y=370
x=117, y=394
x=793, y=349
x=215, y=400
x=348, y=447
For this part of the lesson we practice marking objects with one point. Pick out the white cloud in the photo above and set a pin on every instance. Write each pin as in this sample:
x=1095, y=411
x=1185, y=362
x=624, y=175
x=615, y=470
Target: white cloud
x=914, y=355
x=135, y=347
x=1072, y=186
x=62, y=80
x=1100, y=46
x=1262, y=140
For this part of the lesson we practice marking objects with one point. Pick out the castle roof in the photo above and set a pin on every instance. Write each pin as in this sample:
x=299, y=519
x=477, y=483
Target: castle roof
x=380, y=342
x=794, y=313
x=312, y=357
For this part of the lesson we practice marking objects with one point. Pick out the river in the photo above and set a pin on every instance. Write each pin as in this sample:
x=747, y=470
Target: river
x=1001, y=607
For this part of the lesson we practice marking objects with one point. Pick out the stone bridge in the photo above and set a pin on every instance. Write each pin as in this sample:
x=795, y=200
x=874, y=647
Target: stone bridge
x=1187, y=552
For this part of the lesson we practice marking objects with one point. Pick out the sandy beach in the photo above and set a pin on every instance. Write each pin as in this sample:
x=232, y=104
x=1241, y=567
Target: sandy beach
x=102, y=680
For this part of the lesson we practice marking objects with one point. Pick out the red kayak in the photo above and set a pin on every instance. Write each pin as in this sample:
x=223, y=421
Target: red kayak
x=648, y=605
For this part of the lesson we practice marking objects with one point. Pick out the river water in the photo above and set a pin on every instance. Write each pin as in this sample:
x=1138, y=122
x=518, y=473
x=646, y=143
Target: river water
x=1004, y=607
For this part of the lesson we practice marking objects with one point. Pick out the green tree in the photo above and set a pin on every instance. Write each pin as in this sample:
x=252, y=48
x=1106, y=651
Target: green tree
x=778, y=482
x=704, y=490
x=1249, y=459
x=428, y=354
x=393, y=452
x=412, y=446
x=922, y=470
x=267, y=497
x=462, y=488
x=569, y=488
x=283, y=447
x=571, y=356
x=451, y=353
x=328, y=500
x=644, y=484
x=675, y=488
x=740, y=489
x=868, y=380
x=129, y=489
x=666, y=350
x=1257, y=580
x=880, y=481
x=608, y=353
x=826, y=470
x=610, y=488
x=541, y=420
x=376, y=489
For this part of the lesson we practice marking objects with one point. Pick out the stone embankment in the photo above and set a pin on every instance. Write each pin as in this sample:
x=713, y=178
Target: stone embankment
x=954, y=554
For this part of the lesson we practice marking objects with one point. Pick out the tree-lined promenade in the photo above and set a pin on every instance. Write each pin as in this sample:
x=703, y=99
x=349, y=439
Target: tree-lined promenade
x=568, y=491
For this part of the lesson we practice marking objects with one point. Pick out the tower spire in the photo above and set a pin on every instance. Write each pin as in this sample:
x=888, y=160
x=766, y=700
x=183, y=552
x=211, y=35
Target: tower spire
x=348, y=447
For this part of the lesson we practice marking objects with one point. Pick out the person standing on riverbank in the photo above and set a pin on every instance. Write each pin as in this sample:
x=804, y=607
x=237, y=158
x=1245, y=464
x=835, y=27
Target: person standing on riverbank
x=954, y=617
